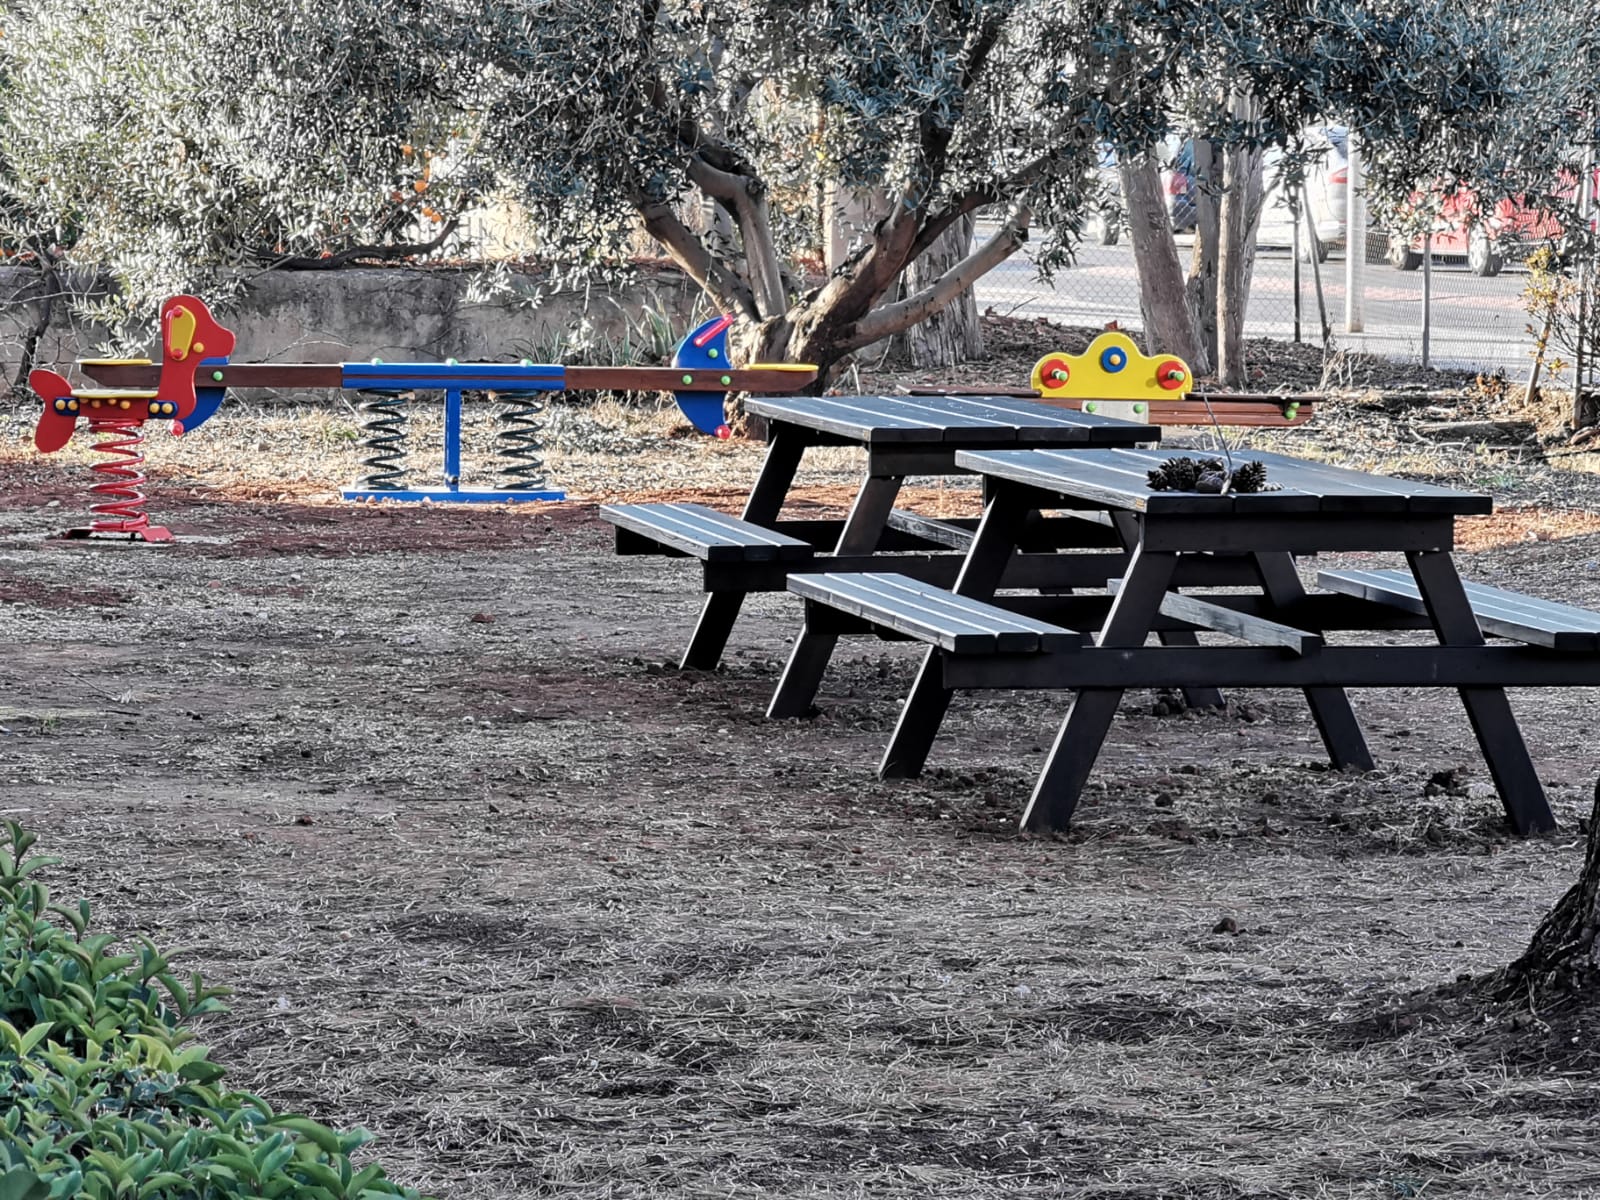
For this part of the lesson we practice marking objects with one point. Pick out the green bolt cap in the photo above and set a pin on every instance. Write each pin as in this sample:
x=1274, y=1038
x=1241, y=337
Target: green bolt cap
x=726, y=380
x=217, y=375
x=1138, y=408
x=711, y=353
x=1090, y=406
x=688, y=378
x=450, y=362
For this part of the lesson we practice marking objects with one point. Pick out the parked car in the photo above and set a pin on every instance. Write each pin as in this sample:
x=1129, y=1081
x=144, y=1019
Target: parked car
x=1487, y=239
x=1107, y=221
x=1182, y=188
x=1326, y=196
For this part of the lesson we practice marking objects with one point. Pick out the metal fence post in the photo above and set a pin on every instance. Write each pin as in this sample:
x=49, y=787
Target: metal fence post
x=1427, y=292
x=1355, y=239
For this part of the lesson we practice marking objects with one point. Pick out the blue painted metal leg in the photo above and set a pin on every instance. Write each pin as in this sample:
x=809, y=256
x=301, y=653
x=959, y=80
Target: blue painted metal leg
x=452, y=440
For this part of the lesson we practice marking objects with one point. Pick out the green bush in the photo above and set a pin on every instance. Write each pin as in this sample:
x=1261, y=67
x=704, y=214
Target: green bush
x=103, y=1092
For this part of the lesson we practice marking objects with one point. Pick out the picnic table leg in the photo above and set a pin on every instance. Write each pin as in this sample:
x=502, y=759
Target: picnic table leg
x=929, y=699
x=1488, y=710
x=812, y=650
x=1127, y=527
x=721, y=609
x=1330, y=706
x=1083, y=730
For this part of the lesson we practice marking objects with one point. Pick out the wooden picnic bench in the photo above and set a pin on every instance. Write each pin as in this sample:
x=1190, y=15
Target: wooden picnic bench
x=902, y=436
x=1095, y=645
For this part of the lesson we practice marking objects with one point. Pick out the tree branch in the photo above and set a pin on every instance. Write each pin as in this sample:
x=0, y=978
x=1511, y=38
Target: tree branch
x=745, y=194
x=726, y=288
x=892, y=318
x=390, y=250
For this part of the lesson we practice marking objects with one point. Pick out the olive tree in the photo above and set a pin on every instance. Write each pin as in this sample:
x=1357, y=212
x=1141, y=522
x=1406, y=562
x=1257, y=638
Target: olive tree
x=948, y=107
x=1436, y=89
x=237, y=135
x=184, y=146
x=1563, y=959
x=243, y=134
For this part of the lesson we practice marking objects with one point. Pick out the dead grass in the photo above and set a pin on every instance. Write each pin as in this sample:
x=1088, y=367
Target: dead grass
x=554, y=919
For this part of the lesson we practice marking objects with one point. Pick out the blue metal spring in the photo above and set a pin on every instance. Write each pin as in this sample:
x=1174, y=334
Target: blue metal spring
x=385, y=440
x=517, y=444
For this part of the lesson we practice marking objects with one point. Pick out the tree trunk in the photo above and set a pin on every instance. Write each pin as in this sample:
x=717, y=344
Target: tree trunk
x=1236, y=250
x=953, y=334
x=848, y=218
x=1563, y=960
x=1169, y=326
x=1201, y=289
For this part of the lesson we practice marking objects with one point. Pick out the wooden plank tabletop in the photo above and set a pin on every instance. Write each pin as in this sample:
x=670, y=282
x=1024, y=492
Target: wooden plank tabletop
x=1118, y=479
x=949, y=420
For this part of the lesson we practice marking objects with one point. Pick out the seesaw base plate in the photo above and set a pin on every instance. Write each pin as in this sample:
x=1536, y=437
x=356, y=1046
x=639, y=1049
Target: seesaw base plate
x=454, y=495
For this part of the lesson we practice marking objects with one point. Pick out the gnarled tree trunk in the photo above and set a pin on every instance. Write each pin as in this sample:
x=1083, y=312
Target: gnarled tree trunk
x=1236, y=248
x=1563, y=959
x=1169, y=325
x=953, y=334
x=1201, y=289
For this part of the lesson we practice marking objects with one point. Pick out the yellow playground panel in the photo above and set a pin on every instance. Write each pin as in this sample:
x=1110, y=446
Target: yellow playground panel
x=1114, y=378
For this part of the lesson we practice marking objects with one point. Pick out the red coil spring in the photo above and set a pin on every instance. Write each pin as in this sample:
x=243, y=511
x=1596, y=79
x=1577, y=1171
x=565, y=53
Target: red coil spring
x=121, y=509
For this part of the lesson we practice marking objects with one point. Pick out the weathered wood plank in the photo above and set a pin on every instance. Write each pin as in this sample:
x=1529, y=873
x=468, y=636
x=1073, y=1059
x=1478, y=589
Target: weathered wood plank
x=1498, y=611
x=955, y=623
x=706, y=533
x=1257, y=630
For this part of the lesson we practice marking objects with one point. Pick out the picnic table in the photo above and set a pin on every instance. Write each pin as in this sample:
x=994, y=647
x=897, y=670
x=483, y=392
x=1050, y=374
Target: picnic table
x=903, y=436
x=1095, y=645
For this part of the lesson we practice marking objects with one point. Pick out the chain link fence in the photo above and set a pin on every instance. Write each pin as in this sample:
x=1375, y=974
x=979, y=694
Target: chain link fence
x=1437, y=312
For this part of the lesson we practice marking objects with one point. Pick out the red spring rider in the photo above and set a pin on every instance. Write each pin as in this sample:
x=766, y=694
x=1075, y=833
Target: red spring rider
x=190, y=336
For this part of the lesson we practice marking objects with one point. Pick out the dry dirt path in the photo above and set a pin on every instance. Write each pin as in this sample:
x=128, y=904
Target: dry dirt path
x=554, y=919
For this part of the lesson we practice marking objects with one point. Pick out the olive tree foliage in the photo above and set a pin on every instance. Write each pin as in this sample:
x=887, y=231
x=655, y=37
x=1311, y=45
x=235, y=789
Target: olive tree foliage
x=948, y=107
x=185, y=146
x=1435, y=89
x=183, y=143
x=179, y=146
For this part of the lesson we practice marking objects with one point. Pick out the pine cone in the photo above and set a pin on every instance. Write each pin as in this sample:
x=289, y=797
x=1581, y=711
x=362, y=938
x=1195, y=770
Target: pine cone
x=1252, y=477
x=1181, y=474
x=1211, y=482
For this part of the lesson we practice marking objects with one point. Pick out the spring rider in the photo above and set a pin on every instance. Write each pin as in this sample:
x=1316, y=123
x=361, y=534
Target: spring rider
x=190, y=338
x=1113, y=378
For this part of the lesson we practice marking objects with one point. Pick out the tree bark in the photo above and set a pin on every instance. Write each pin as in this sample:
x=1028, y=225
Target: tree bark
x=1563, y=960
x=1201, y=289
x=1169, y=325
x=1236, y=249
x=952, y=334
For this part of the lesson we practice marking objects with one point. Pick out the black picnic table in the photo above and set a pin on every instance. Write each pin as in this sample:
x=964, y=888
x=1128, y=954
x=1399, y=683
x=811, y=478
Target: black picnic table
x=1277, y=629
x=903, y=436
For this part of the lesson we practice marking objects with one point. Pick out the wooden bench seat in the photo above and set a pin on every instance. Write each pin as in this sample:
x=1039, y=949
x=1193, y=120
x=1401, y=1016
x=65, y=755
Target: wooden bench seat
x=954, y=623
x=700, y=532
x=1499, y=612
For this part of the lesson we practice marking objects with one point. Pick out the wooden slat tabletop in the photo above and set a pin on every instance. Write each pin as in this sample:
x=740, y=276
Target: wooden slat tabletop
x=949, y=420
x=1118, y=478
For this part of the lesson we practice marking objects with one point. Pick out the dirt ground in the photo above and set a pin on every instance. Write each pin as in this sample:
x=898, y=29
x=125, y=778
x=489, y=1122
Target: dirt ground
x=552, y=918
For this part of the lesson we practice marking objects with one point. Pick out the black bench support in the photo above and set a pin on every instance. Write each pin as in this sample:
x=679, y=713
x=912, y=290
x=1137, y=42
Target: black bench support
x=1330, y=707
x=1082, y=732
x=1487, y=708
x=721, y=609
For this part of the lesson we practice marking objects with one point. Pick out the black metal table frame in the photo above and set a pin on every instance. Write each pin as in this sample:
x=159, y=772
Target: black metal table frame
x=1119, y=659
x=866, y=528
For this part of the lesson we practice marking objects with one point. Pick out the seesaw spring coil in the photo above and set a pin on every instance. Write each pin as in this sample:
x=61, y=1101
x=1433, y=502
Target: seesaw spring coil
x=385, y=439
x=517, y=444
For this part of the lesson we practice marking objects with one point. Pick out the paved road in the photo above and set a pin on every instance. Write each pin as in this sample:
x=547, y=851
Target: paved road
x=1476, y=323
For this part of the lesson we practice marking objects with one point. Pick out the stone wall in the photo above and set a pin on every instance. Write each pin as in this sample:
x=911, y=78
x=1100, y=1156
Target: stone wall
x=396, y=314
